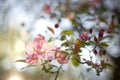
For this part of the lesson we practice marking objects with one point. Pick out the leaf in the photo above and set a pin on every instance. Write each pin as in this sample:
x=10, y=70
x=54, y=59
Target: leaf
x=104, y=65
x=111, y=26
x=50, y=39
x=53, y=15
x=88, y=69
x=104, y=44
x=96, y=39
x=89, y=43
x=102, y=19
x=51, y=30
x=85, y=8
x=77, y=46
x=63, y=37
x=75, y=62
x=28, y=66
x=22, y=60
x=74, y=23
x=65, y=44
x=67, y=32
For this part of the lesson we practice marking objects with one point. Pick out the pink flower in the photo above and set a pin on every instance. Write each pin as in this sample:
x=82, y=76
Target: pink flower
x=61, y=57
x=29, y=48
x=40, y=47
x=47, y=52
x=35, y=46
x=38, y=43
x=33, y=49
x=84, y=36
x=101, y=33
x=47, y=8
x=109, y=30
x=32, y=58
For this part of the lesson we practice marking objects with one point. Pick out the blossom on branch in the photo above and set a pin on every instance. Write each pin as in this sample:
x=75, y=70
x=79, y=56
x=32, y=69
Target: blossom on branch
x=39, y=49
x=47, y=8
x=32, y=58
x=85, y=36
x=61, y=57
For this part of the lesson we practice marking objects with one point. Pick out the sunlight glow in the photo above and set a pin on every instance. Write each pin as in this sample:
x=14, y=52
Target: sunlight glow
x=14, y=78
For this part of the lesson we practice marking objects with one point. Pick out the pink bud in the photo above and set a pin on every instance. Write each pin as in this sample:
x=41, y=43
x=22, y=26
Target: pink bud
x=84, y=36
x=101, y=32
x=90, y=30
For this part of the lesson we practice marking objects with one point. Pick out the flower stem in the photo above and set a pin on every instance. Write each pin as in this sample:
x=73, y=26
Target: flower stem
x=58, y=72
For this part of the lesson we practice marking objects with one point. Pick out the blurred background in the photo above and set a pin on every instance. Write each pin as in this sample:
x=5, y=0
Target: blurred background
x=22, y=20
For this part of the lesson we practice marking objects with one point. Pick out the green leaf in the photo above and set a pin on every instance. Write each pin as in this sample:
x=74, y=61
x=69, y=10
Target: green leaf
x=75, y=62
x=53, y=15
x=74, y=23
x=88, y=69
x=89, y=43
x=22, y=60
x=104, y=44
x=65, y=43
x=50, y=39
x=63, y=37
x=28, y=66
x=104, y=65
x=85, y=8
x=67, y=32
x=102, y=19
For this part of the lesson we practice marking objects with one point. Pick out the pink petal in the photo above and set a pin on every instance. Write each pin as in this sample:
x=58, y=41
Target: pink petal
x=84, y=36
x=61, y=58
x=29, y=48
x=32, y=58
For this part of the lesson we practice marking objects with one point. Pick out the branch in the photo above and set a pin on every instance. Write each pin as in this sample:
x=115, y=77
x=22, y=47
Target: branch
x=58, y=72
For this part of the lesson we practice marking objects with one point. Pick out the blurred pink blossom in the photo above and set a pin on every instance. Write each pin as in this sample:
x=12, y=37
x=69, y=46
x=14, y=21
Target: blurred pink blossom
x=47, y=8
x=84, y=36
x=47, y=52
x=101, y=33
x=40, y=48
x=61, y=57
x=32, y=58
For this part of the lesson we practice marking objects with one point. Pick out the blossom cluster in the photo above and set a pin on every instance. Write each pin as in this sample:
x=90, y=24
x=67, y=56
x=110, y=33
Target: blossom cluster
x=41, y=50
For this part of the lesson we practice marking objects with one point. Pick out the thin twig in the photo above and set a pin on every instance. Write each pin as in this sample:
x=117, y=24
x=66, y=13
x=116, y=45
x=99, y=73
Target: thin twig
x=58, y=72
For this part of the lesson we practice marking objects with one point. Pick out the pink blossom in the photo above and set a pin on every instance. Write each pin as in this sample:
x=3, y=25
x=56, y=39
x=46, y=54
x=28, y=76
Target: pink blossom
x=61, y=57
x=32, y=58
x=38, y=43
x=109, y=30
x=47, y=52
x=29, y=48
x=47, y=8
x=35, y=46
x=41, y=48
x=101, y=33
x=84, y=36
